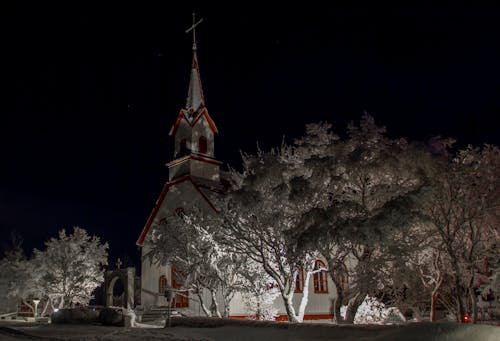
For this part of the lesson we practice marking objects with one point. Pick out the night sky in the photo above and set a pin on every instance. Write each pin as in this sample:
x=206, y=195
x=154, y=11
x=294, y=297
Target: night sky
x=88, y=95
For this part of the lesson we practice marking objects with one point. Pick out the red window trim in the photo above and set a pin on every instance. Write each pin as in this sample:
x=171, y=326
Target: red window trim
x=320, y=278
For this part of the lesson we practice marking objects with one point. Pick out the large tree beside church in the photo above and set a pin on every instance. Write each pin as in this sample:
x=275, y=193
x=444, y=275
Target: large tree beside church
x=370, y=185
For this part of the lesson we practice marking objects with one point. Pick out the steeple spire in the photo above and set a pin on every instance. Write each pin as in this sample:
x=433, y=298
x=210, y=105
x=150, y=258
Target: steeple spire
x=195, y=98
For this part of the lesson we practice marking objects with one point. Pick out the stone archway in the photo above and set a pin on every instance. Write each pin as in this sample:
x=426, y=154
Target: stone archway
x=119, y=287
x=115, y=292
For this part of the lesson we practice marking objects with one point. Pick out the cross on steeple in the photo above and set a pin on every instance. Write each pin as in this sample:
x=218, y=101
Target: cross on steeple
x=193, y=28
x=119, y=263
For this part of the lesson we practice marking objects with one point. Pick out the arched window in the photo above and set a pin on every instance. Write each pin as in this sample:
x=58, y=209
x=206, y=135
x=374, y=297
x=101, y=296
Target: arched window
x=320, y=278
x=299, y=282
x=183, y=150
x=162, y=284
x=203, y=145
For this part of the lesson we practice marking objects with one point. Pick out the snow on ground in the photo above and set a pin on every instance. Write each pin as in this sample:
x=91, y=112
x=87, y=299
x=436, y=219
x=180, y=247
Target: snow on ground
x=274, y=332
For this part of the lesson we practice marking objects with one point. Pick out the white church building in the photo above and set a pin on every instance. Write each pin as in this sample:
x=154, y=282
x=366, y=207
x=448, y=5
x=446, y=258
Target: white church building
x=194, y=177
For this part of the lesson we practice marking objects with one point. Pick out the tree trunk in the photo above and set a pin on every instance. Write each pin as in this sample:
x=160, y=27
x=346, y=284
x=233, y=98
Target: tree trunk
x=473, y=299
x=352, y=307
x=202, y=304
x=458, y=289
x=434, y=297
x=290, y=311
x=337, y=304
x=417, y=315
x=28, y=305
x=339, y=298
x=61, y=303
x=227, y=297
x=214, y=308
x=45, y=308
x=305, y=297
x=226, y=309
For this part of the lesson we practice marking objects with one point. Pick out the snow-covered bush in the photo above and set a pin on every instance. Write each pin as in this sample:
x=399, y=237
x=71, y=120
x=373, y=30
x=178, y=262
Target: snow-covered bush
x=372, y=311
x=260, y=307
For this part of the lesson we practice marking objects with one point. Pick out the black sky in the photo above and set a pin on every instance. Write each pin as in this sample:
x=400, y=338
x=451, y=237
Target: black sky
x=89, y=95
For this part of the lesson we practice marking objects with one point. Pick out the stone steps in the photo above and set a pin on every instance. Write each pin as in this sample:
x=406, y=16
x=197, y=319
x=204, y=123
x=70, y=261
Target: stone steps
x=158, y=313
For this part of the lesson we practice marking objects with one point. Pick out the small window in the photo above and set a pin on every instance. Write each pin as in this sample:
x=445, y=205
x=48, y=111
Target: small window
x=179, y=211
x=183, y=150
x=203, y=145
x=320, y=278
x=162, y=284
x=299, y=282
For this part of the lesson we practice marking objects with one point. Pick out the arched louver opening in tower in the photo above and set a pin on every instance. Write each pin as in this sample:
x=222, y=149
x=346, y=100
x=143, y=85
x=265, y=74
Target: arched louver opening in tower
x=203, y=145
x=183, y=149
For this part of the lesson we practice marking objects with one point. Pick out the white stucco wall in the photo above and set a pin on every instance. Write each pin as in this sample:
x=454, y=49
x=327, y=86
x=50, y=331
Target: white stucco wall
x=318, y=303
x=150, y=275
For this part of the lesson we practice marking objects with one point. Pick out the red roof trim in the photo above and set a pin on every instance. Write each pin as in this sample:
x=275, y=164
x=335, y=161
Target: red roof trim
x=214, y=162
x=163, y=193
x=203, y=112
x=159, y=202
x=192, y=157
x=173, y=130
x=177, y=161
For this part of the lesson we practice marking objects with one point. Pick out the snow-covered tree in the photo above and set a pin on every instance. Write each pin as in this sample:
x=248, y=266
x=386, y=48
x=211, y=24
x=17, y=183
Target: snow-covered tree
x=259, y=292
x=366, y=183
x=261, y=221
x=20, y=277
x=13, y=267
x=191, y=242
x=70, y=267
x=463, y=207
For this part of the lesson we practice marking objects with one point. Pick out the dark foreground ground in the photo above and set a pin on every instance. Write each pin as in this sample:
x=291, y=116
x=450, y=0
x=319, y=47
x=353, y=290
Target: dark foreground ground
x=207, y=329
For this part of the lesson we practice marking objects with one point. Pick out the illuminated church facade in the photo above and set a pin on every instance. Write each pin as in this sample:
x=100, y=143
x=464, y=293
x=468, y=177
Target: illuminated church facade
x=194, y=178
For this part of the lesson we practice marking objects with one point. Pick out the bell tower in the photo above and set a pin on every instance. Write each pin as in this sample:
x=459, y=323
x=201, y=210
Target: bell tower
x=194, y=130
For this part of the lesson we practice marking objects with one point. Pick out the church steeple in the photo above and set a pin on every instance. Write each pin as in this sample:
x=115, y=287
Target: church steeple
x=195, y=98
x=194, y=130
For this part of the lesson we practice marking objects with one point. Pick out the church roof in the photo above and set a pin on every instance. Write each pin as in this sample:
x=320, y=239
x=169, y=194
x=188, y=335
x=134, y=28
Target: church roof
x=204, y=188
